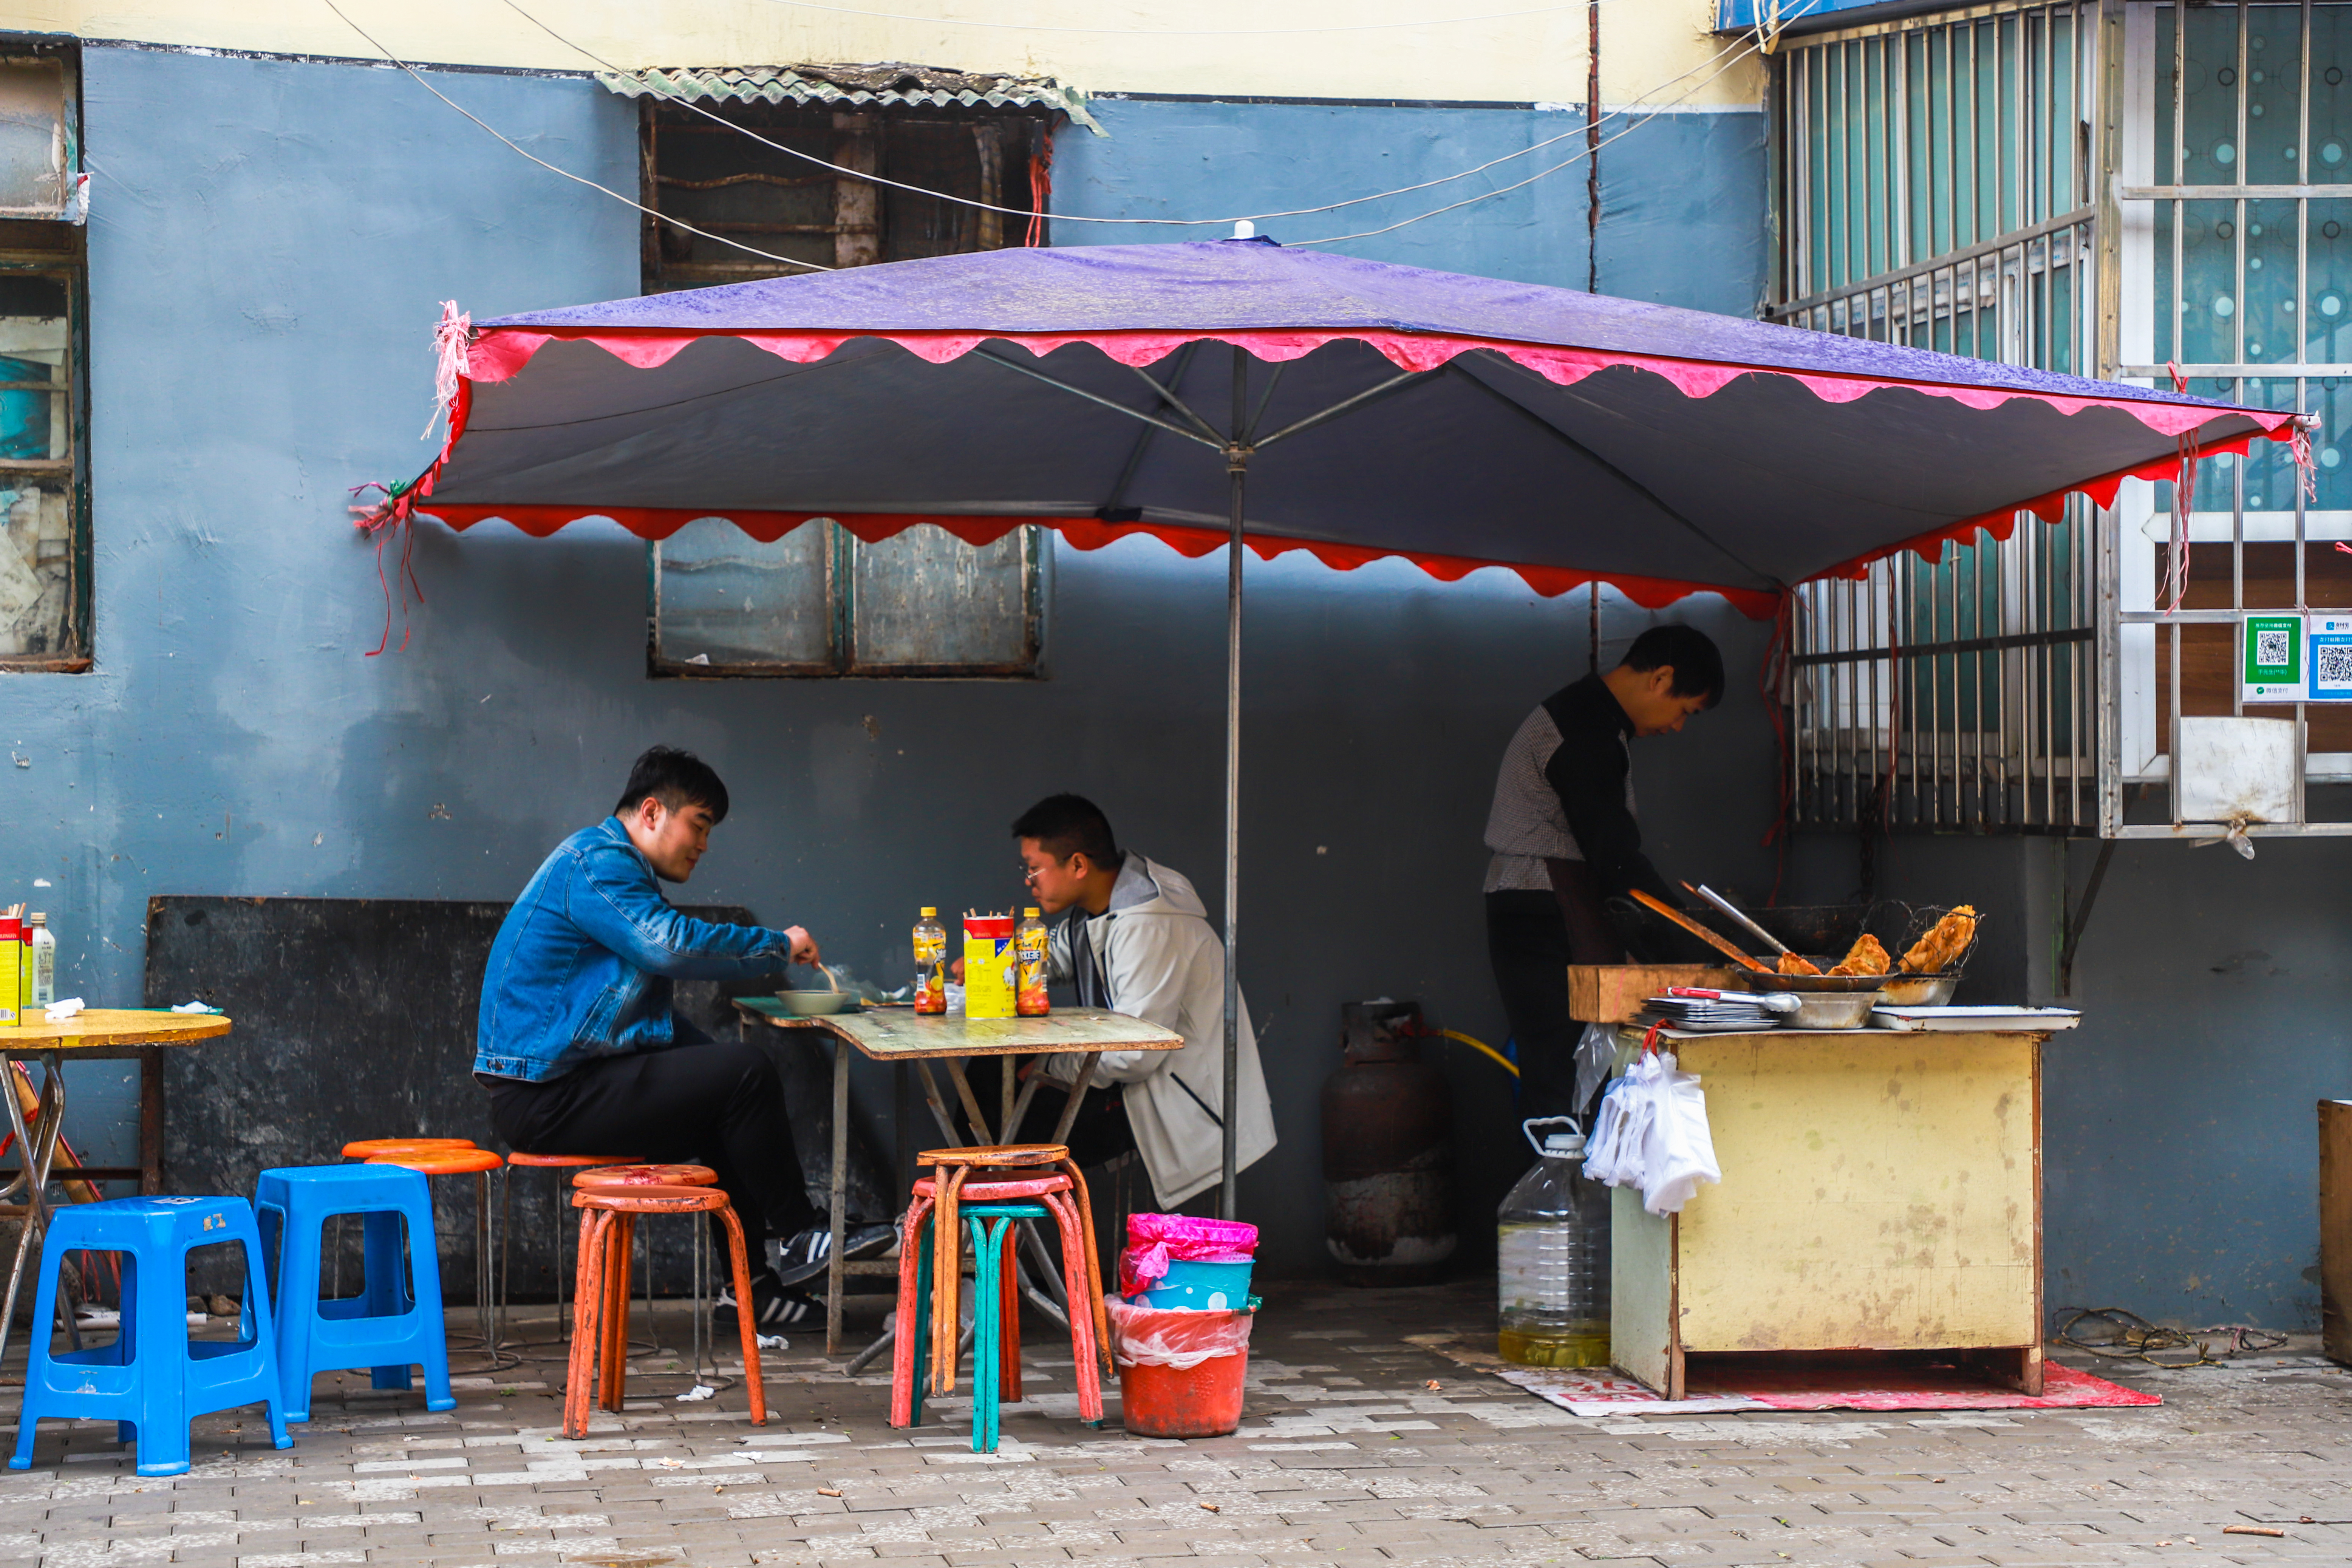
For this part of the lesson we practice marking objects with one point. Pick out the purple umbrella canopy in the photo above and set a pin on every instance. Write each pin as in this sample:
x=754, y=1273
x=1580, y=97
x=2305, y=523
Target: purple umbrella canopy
x=1455, y=421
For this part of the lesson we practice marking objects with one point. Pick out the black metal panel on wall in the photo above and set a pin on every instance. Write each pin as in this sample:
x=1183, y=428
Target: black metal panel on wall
x=354, y=1018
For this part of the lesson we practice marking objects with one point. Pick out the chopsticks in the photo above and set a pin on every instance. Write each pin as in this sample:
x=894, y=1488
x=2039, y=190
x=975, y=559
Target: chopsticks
x=1697, y=930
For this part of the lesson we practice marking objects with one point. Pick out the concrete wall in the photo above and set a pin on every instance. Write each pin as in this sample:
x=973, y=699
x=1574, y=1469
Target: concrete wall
x=271, y=242
x=1655, y=49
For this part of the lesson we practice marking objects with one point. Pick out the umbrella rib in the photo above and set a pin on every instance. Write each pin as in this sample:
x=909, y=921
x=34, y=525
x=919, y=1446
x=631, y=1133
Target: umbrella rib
x=1369, y=394
x=1168, y=396
x=1142, y=444
x=1620, y=475
x=1174, y=429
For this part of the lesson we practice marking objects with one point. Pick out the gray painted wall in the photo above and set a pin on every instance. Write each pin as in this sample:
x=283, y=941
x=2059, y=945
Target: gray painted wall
x=2181, y=1153
x=270, y=244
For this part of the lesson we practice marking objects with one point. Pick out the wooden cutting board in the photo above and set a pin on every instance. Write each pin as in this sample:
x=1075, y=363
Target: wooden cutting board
x=1612, y=993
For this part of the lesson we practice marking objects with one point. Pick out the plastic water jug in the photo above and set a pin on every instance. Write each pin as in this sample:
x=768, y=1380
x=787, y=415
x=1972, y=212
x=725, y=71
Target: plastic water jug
x=1553, y=1249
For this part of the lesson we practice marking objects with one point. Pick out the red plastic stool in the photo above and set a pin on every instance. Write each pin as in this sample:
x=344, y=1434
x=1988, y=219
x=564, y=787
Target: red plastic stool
x=519, y=1160
x=447, y=1161
x=600, y=1328
x=1060, y=1195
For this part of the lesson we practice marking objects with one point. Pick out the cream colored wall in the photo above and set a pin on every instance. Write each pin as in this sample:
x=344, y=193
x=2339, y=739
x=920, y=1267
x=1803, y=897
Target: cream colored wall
x=1318, y=49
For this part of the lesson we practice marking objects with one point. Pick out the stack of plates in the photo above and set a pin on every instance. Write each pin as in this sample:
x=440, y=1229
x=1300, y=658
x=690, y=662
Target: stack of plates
x=1721, y=1015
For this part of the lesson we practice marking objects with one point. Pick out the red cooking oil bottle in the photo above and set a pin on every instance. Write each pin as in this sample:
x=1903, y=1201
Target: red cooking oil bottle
x=931, y=962
x=1029, y=941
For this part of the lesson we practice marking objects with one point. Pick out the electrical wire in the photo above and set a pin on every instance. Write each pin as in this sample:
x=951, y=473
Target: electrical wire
x=665, y=95
x=1184, y=32
x=551, y=168
x=1541, y=173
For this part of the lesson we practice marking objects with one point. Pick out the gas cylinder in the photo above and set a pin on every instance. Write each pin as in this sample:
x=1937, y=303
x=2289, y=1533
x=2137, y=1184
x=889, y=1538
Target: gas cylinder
x=1388, y=1156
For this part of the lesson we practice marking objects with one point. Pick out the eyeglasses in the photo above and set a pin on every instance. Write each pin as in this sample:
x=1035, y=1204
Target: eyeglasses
x=1028, y=872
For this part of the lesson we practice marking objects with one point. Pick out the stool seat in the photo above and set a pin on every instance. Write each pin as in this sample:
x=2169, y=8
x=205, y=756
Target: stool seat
x=647, y=1176
x=598, y=1371
x=998, y=1191
x=1005, y=1154
x=467, y=1161
x=569, y=1162
x=153, y=1379
x=395, y=1322
x=362, y=1148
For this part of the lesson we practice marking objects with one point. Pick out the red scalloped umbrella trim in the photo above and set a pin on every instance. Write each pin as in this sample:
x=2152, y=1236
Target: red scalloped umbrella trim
x=498, y=352
x=1088, y=534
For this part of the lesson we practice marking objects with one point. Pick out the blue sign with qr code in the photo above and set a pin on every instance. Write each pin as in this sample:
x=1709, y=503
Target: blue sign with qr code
x=2329, y=638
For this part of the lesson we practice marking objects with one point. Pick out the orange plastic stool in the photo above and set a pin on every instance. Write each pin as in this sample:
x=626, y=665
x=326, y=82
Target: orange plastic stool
x=368, y=1148
x=599, y=1329
x=446, y=1160
x=521, y=1159
x=647, y=1176
x=623, y=1177
x=950, y=1167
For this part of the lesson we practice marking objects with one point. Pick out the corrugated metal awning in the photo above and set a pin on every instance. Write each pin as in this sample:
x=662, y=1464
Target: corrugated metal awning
x=888, y=85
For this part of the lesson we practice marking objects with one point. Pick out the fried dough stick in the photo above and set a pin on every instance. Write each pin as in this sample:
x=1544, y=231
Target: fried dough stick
x=1791, y=963
x=1934, y=953
x=1865, y=957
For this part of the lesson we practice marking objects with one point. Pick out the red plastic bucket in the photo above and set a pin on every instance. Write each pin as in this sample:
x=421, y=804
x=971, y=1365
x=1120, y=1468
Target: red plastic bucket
x=1205, y=1401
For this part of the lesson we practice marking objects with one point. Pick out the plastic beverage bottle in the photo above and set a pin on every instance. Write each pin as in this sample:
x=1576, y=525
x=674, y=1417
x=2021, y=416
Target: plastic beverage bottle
x=44, y=949
x=931, y=962
x=12, y=994
x=1554, y=1257
x=1029, y=940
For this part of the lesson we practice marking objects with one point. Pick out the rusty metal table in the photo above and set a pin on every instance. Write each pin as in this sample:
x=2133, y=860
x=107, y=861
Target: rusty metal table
x=901, y=1034
x=94, y=1032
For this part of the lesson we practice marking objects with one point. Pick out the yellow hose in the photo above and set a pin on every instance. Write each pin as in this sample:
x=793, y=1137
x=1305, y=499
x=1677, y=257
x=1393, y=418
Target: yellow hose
x=1500, y=1059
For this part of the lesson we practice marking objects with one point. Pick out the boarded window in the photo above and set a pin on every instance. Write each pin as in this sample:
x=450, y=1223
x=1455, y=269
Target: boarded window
x=819, y=602
x=44, y=404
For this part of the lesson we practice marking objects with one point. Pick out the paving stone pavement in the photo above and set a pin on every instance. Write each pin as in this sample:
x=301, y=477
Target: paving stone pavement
x=1361, y=1446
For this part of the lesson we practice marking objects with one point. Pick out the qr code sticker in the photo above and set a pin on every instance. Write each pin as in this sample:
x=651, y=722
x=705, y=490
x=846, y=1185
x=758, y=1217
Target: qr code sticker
x=2270, y=647
x=2332, y=663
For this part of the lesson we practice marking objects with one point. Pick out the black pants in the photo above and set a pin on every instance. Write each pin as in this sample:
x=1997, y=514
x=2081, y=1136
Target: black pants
x=1526, y=939
x=1099, y=1134
x=718, y=1105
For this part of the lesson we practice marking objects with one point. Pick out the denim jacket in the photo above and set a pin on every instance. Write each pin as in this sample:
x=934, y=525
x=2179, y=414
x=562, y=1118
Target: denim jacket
x=582, y=965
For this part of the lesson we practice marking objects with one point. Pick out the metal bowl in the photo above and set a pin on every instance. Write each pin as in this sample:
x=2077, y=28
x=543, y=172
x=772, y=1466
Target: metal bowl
x=1819, y=1011
x=1919, y=990
x=1810, y=985
x=817, y=1004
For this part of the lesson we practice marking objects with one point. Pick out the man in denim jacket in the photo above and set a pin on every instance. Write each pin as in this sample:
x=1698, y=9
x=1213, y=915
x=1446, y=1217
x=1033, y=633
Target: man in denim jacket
x=582, y=1052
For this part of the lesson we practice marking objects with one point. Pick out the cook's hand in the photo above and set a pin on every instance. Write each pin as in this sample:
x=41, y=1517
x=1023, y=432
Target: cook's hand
x=955, y=971
x=803, y=945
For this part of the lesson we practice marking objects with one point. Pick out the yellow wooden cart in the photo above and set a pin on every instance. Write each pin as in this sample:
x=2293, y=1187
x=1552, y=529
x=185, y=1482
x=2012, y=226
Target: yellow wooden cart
x=1882, y=1190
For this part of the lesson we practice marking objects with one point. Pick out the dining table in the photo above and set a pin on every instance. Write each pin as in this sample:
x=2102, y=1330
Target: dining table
x=93, y=1033
x=900, y=1035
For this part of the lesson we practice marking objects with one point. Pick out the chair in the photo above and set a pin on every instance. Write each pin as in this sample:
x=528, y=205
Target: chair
x=381, y=1329
x=951, y=1167
x=446, y=1159
x=153, y=1379
x=521, y=1159
x=600, y=1325
x=988, y=1210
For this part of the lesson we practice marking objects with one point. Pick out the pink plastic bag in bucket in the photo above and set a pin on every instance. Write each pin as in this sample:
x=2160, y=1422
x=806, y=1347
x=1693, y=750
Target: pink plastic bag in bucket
x=1153, y=1239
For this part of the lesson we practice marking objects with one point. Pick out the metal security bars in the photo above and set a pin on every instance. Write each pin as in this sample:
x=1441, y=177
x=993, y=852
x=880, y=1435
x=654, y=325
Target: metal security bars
x=1935, y=188
x=2234, y=186
x=1957, y=696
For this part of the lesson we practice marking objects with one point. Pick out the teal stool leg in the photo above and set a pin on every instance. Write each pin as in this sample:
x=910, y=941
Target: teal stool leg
x=922, y=1323
x=987, y=1241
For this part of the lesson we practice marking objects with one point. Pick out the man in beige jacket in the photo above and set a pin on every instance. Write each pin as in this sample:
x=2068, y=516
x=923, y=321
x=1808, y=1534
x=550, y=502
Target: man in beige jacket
x=1136, y=939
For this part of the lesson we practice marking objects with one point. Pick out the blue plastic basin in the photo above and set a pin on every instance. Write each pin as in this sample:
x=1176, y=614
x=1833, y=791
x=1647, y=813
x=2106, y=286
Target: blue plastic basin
x=1211, y=1287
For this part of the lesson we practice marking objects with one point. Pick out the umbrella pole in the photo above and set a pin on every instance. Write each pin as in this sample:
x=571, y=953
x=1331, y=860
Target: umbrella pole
x=1238, y=469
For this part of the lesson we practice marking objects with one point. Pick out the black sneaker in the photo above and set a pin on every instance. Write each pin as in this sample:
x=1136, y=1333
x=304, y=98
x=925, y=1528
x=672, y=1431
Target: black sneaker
x=805, y=1256
x=774, y=1307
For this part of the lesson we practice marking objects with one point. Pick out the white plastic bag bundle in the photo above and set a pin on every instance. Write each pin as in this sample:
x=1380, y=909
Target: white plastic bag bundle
x=1651, y=1133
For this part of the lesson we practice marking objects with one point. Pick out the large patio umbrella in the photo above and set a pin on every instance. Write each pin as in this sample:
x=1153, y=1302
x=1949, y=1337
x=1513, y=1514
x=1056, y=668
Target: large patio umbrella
x=1229, y=393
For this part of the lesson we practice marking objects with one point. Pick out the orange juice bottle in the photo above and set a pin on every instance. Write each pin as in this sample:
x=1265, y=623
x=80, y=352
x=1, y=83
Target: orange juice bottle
x=1029, y=945
x=931, y=962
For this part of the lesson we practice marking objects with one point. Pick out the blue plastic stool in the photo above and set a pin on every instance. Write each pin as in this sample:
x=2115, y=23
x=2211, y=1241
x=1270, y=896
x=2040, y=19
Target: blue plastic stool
x=382, y=1329
x=987, y=1224
x=153, y=1379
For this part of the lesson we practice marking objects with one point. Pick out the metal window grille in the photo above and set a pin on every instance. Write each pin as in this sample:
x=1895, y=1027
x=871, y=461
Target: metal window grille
x=1935, y=182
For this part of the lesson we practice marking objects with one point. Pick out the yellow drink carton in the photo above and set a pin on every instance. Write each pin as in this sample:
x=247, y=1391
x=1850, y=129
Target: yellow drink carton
x=988, y=966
